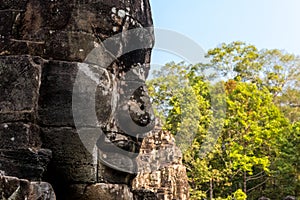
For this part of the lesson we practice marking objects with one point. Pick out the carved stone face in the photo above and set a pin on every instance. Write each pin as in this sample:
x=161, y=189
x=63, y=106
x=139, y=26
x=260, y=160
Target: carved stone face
x=119, y=66
x=59, y=39
x=129, y=114
x=113, y=49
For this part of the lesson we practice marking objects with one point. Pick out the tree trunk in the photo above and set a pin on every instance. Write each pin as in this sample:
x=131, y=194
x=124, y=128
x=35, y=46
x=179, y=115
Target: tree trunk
x=245, y=182
x=211, y=195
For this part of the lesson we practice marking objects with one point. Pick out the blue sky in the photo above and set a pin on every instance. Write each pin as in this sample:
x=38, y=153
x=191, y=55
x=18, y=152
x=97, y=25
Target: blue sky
x=264, y=23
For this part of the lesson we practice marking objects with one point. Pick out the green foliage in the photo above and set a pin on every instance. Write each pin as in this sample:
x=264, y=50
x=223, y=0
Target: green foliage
x=237, y=142
x=276, y=70
x=181, y=100
x=252, y=121
x=289, y=103
x=236, y=60
x=286, y=173
x=239, y=195
x=280, y=70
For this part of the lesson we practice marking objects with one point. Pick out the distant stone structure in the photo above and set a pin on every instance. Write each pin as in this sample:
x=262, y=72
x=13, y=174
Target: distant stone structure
x=44, y=45
x=161, y=168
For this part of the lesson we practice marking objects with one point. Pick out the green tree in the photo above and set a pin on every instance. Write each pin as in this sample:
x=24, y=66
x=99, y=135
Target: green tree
x=274, y=69
x=286, y=167
x=237, y=60
x=252, y=125
x=183, y=100
x=280, y=70
x=281, y=74
x=257, y=153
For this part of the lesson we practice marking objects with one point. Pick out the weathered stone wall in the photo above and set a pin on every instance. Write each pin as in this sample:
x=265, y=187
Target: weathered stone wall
x=161, y=168
x=21, y=154
x=44, y=45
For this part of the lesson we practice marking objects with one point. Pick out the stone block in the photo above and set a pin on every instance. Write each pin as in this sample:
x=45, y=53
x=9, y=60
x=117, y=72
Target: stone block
x=19, y=87
x=19, y=135
x=71, y=162
x=89, y=100
x=13, y=4
x=55, y=103
x=144, y=194
x=14, y=47
x=25, y=163
x=101, y=191
x=69, y=46
x=6, y=23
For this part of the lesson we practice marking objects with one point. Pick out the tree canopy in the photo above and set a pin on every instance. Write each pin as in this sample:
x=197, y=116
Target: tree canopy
x=239, y=134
